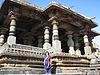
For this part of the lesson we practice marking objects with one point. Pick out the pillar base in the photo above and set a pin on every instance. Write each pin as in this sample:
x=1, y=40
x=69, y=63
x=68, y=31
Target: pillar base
x=46, y=46
x=78, y=52
x=71, y=50
x=93, y=61
x=57, y=45
x=11, y=40
x=87, y=50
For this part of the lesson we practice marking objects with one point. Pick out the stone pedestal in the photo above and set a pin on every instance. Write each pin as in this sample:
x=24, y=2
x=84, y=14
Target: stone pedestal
x=78, y=52
x=11, y=40
x=93, y=61
x=71, y=50
x=57, y=45
x=46, y=46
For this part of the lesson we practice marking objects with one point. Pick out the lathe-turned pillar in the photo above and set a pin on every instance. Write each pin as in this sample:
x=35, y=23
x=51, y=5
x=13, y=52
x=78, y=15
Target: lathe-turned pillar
x=56, y=43
x=70, y=43
x=46, y=45
x=76, y=37
x=11, y=38
x=87, y=48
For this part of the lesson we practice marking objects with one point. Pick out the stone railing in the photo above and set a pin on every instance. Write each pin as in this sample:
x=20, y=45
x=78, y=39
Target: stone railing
x=27, y=47
x=67, y=55
x=22, y=50
x=66, y=59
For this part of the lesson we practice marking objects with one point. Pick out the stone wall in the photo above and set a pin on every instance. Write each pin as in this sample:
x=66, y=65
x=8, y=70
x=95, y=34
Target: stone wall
x=38, y=71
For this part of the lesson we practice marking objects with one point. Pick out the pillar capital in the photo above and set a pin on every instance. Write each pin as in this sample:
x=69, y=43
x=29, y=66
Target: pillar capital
x=46, y=27
x=10, y=13
x=76, y=35
x=13, y=17
x=53, y=20
x=69, y=32
x=40, y=36
x=84, y=31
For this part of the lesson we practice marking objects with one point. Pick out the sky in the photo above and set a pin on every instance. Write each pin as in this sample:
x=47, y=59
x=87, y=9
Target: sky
x=89, y=8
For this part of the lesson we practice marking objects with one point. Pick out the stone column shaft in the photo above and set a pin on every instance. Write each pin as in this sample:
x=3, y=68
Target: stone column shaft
x=56, y=43
x=46, y=34
x=12, y=27
x=46, y=45
x=11, y=38
x=55, y=32
x=2, y=36
x=70, y=43
x=1, y=39
x=78, y=52
x=87, y=48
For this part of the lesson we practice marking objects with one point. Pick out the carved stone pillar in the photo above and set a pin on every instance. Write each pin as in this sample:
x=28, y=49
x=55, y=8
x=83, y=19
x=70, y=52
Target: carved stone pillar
x=87, y=48
x=1, y=39
x=78, y=52
x=70, y=43
x=56, y=43
x=46, y=45
x=91, y=44
x=40, y=41
x=2, y=36
x=2, y=32
x=11, y=38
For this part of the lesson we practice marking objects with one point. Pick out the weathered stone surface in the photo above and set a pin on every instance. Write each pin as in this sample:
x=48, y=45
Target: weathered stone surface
x=11, y=40
x=87, y=50
x=57, y=45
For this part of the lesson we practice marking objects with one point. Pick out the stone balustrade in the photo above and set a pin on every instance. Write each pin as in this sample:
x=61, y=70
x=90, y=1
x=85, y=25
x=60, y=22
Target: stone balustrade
x=36, y=55
x=68, y=55
x=23, y=50
x=25, y=61
x=66, y=59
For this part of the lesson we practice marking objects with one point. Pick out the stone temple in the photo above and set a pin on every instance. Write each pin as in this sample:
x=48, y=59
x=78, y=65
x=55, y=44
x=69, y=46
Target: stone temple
x=27, y=31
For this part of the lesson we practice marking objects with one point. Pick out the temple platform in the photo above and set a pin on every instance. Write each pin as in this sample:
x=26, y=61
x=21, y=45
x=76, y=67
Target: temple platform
x=19, y=59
